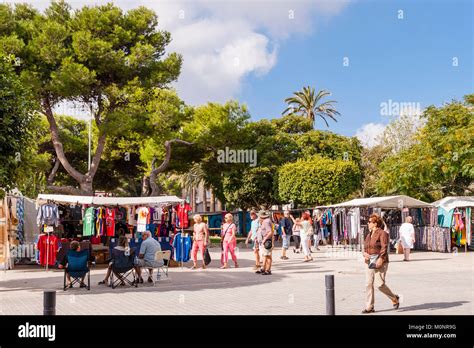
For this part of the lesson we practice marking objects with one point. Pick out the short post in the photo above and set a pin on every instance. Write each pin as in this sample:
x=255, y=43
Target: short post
x=49, y=302
x=330, y=299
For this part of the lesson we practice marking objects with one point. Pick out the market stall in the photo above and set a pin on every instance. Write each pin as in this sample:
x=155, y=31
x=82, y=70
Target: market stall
x=98, y=221
x=17, y=229
x=455, y=213
x=348, y=221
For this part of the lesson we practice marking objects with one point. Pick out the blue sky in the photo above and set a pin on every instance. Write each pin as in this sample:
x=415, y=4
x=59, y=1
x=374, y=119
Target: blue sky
x=255, y=52
x=405, y=60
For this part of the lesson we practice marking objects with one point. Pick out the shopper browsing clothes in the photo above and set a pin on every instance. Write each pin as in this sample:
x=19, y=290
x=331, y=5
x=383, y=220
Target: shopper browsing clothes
x=229, y=240
x=252, y=236
x=200, y=238
x=286, y=225
x=265, y=234
x=376, y=258
x=407, y=237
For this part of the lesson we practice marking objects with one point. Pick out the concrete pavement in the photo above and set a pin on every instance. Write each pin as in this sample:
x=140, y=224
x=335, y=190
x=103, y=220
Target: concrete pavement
x=430, y=284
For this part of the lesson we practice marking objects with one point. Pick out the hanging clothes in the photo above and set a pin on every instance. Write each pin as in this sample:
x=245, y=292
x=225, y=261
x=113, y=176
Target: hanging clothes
x=445, y=217
x=182, y=247
x=143, y=219
x=88, y=222
x=110, y=221
x=48, y=246
x=182, y=211
x=48, y=214
x=20, y=216
x=100, y=221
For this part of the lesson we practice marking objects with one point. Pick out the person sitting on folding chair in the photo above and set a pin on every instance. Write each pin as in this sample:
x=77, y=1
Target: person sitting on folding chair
x=146, y=257
x=122, y=245
x=75, y=264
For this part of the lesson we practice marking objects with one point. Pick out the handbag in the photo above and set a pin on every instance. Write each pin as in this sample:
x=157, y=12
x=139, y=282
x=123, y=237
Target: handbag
x=268, y=244
x=207, y=257
x=373, y=261
x=399, y=247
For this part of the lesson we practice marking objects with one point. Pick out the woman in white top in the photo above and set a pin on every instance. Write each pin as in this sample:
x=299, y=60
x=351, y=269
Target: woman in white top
x=407, y=237
x=305, y=237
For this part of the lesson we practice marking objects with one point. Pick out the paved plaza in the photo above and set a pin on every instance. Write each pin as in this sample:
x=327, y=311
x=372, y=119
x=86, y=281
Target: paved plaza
x=431, y=284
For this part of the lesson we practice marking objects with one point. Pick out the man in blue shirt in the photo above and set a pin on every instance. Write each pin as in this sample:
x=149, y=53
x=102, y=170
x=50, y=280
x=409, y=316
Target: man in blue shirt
x=146, y=257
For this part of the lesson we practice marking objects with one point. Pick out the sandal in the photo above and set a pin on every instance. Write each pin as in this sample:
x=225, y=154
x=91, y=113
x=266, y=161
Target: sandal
x=102, y=282
x=396, y=304
x=366, y=311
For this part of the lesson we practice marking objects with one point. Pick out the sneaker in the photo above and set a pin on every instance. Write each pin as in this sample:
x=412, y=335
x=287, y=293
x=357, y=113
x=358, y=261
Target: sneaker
x=267, y=273
x=260, y=271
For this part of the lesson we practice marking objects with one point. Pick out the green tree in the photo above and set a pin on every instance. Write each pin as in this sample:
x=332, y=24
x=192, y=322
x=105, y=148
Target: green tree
x=307, y=103
x=17, y=123
x=440, y=163
x=98, y=56
x=252, y=188
x=318, y=181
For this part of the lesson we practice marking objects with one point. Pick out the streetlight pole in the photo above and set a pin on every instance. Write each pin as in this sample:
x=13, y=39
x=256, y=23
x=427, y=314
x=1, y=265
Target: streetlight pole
x=90, y=140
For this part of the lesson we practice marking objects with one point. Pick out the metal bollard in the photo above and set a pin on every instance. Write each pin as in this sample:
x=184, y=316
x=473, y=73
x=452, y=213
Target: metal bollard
x=330, y=299
x=49, y=302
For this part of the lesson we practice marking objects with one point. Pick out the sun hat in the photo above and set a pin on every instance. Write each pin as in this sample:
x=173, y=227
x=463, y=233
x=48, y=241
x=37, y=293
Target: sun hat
x=263, y=214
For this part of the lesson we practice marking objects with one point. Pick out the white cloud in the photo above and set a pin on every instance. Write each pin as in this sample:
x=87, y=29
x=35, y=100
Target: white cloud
x=222, y=42
x=369, y=133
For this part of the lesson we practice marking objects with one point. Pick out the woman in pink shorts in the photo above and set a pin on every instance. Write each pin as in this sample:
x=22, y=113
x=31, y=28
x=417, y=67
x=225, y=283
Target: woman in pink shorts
x=229, y=240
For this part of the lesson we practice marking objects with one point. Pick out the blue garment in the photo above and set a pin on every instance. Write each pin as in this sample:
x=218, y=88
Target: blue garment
x=182, y=248
x=253, y=228
x=445, y=217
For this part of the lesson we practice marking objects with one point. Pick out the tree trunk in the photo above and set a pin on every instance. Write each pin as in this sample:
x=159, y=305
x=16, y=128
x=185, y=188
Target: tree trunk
x=213, y=201
x=145, y=186
x=85, y=180
x=155, y=171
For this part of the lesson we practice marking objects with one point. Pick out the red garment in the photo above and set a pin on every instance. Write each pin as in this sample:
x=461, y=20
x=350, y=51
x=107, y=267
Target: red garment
x=95, y=240
x=48, y=248
x=110, y=222
x=182, y=211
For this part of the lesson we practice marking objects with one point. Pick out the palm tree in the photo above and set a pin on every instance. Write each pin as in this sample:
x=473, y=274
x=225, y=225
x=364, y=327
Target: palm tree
x=306, y=103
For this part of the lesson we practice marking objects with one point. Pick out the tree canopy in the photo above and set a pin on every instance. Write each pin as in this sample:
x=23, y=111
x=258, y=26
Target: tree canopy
x=99, y=56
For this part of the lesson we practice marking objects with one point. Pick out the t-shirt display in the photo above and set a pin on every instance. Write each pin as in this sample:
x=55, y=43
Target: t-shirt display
x=143, y=219
x=88, y=222
x=110, y=222
x=48, y=245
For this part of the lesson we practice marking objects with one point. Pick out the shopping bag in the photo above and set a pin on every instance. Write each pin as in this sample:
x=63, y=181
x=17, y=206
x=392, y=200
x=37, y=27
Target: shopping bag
x=207, y=257
x=399, y=247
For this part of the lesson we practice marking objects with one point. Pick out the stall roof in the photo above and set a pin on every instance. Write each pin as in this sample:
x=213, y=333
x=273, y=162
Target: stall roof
x=400, y=201
x=451, y=202
x=42, y=198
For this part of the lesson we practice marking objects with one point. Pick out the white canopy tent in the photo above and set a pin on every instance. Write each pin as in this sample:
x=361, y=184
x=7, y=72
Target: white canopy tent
x=400, y=201
x=449, y=203
x=110, y=201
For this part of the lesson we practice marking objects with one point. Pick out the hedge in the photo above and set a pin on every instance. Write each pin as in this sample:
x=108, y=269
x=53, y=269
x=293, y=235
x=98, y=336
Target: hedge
x=318, y=181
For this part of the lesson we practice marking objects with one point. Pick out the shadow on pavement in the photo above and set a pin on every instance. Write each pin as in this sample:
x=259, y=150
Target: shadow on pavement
x=428, y=306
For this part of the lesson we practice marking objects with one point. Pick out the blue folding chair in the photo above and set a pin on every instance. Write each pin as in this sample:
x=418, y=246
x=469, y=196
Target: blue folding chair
x=123, y=266
x=77, y=267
